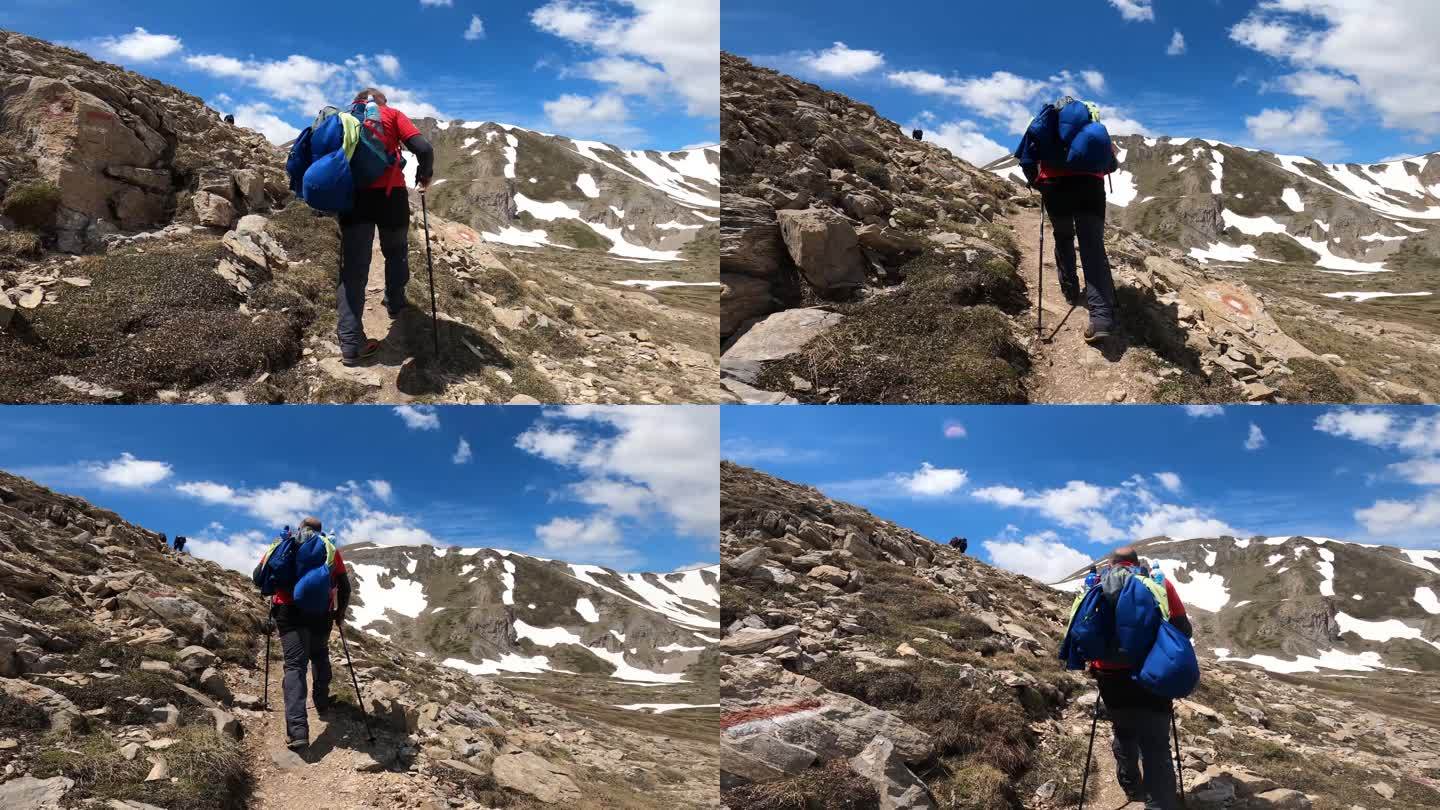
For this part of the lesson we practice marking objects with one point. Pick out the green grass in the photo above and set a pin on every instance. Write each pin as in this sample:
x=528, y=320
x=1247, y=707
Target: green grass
x=32, y=205
x=830, y=787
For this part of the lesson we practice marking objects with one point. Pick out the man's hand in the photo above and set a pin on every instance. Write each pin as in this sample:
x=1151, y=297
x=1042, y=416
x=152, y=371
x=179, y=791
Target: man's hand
x=422, y=184
x=338, y=615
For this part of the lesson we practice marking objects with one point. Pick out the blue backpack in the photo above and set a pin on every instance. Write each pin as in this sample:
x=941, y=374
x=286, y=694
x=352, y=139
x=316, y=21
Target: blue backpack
x=300, y=564
x=1130, y=625
x=338, y=153
x=1068, y=134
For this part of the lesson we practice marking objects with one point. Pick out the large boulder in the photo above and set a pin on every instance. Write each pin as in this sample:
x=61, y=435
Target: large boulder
x=824, y=245
x=29, y=793
x=743, y=299
x=750, y=242
x=213, y=210
x=754, y=641
x=179, y=614
x=62, y=714
x=527, y=773
x=899, y=788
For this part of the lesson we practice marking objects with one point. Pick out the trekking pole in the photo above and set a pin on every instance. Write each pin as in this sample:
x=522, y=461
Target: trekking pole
x=1040, y=278
x=1179, y=768
x=340, y=626
x=434, y=315
x=265, y=695
x=1085, y=779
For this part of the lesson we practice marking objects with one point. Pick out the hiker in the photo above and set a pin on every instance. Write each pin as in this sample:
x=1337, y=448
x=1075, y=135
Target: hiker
x=1092, y=578
x=179, y=544
x=230, y=119
x=1066, y=152
x=917, y=134
x=297, y=566
x=1140, y=719
x=385, y=205
x=1157, y=573
x=959, y=544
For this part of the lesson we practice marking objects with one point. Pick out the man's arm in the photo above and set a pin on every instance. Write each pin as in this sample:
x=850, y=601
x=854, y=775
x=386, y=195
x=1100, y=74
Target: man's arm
x=1177, y=610
x=342, y=589
x=425, y=155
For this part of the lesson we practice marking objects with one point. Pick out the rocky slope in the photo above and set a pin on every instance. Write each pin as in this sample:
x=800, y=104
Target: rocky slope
x=866, y=666
x=526, y=188
x=859, y=265
x=150, y=252
x=495, y=611
x=132, y=675
x=1302, y=604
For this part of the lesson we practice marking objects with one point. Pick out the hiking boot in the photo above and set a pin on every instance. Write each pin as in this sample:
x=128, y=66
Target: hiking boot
x=396, y=312
x=1094, y=335
x=297, y=744
x=366, y=352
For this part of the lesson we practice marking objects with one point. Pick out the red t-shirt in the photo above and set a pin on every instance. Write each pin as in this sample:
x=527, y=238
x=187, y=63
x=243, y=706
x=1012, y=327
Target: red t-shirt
x=398, y=129
x=1176, y=607
x=1049, y=172
x=283, y=596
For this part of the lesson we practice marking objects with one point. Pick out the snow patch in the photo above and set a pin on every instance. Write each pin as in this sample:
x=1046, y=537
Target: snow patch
x=546, y=636
x=660, y=285
x=507, y=578
x=661, y=708
x=1425, y=598
x=587, y=186
x=404, y=596
x=1224, y=253
x=1333, y=262
x=586, y=610
x=1328, y=659
x=1361, y=297
x=1380, y=631
x=1125, y=190
x=1327, y=570
x=509, y=662
x=1251, y=226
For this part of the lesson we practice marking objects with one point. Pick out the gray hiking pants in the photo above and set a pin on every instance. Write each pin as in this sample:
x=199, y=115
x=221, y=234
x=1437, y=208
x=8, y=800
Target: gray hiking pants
x=1142, y=745
x=1099, y=285
x=305, y=645
x=357, y=240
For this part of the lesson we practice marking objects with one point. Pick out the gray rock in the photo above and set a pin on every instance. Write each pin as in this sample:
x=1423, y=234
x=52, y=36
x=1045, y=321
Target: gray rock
x=763, y=757
x=899, y=789
x=754, y=641
x=29, y=793
x=285, y=759
x=775, y=338
x=823, y=244
x=1280, y=799
x=63, y=714
x=527, y=773
x=194, y=660
x=225, y=724
x=743, y=564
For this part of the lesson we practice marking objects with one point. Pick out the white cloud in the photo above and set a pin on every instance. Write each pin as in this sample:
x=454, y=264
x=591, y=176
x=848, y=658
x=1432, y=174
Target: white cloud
x=964, y=140
x=462, y=452
x=436, y=3
x=1203, y=411
x=1386, y=49
x=1169, y=480
x=631, y=77
x=1011, y=99
x=1398, y=517
x=843, y=61
x=140, y=46
x=130, y=472
x=304, y=84
x=954, y=430
x=1324, y=90
x=1134, y=10
x=382, y=489
x=597, y=538
x=284, y=503
x=1076, y=505
x=476, y=30
x=1304, y=128
x=681, y=39
x=418, y=417
x=383, y=528
x=1040, y=556
x=604, y=116
x=389, y=64
x=1177, y=44
x=1255, y=439
x=672, y=454
x=1421, y=471
x=1412, y=432
x=1179, y=522
x=263, y=120
x=238, y=551
x=932, y=482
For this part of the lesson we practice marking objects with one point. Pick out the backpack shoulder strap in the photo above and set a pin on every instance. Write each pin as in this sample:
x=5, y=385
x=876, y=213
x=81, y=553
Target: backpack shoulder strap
x=1161, y=598
x=265, y=558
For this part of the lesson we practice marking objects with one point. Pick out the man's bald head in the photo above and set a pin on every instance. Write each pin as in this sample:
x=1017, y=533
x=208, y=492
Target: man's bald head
x=311, y=523
x=1125, y=555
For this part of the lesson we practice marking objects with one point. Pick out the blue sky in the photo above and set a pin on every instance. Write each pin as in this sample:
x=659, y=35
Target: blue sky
x=1043, y=489
x=1341, y=81
x=639, y=73
x=636, y=488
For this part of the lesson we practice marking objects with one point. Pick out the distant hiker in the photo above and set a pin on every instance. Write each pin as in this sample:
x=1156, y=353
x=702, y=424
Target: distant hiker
x=1066, y=152
x=1156, y=573
x=230, y=119
x=1092, y=578
x=306, y=576
x=1134, y=636
x=917, y=134
x=179, y=544
x=959, y=543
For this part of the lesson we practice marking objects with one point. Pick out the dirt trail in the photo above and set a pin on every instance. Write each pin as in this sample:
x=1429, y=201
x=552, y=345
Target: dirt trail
x=1067, y=369
x=383, y=372
x=324, y=776
x=1105, y=792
